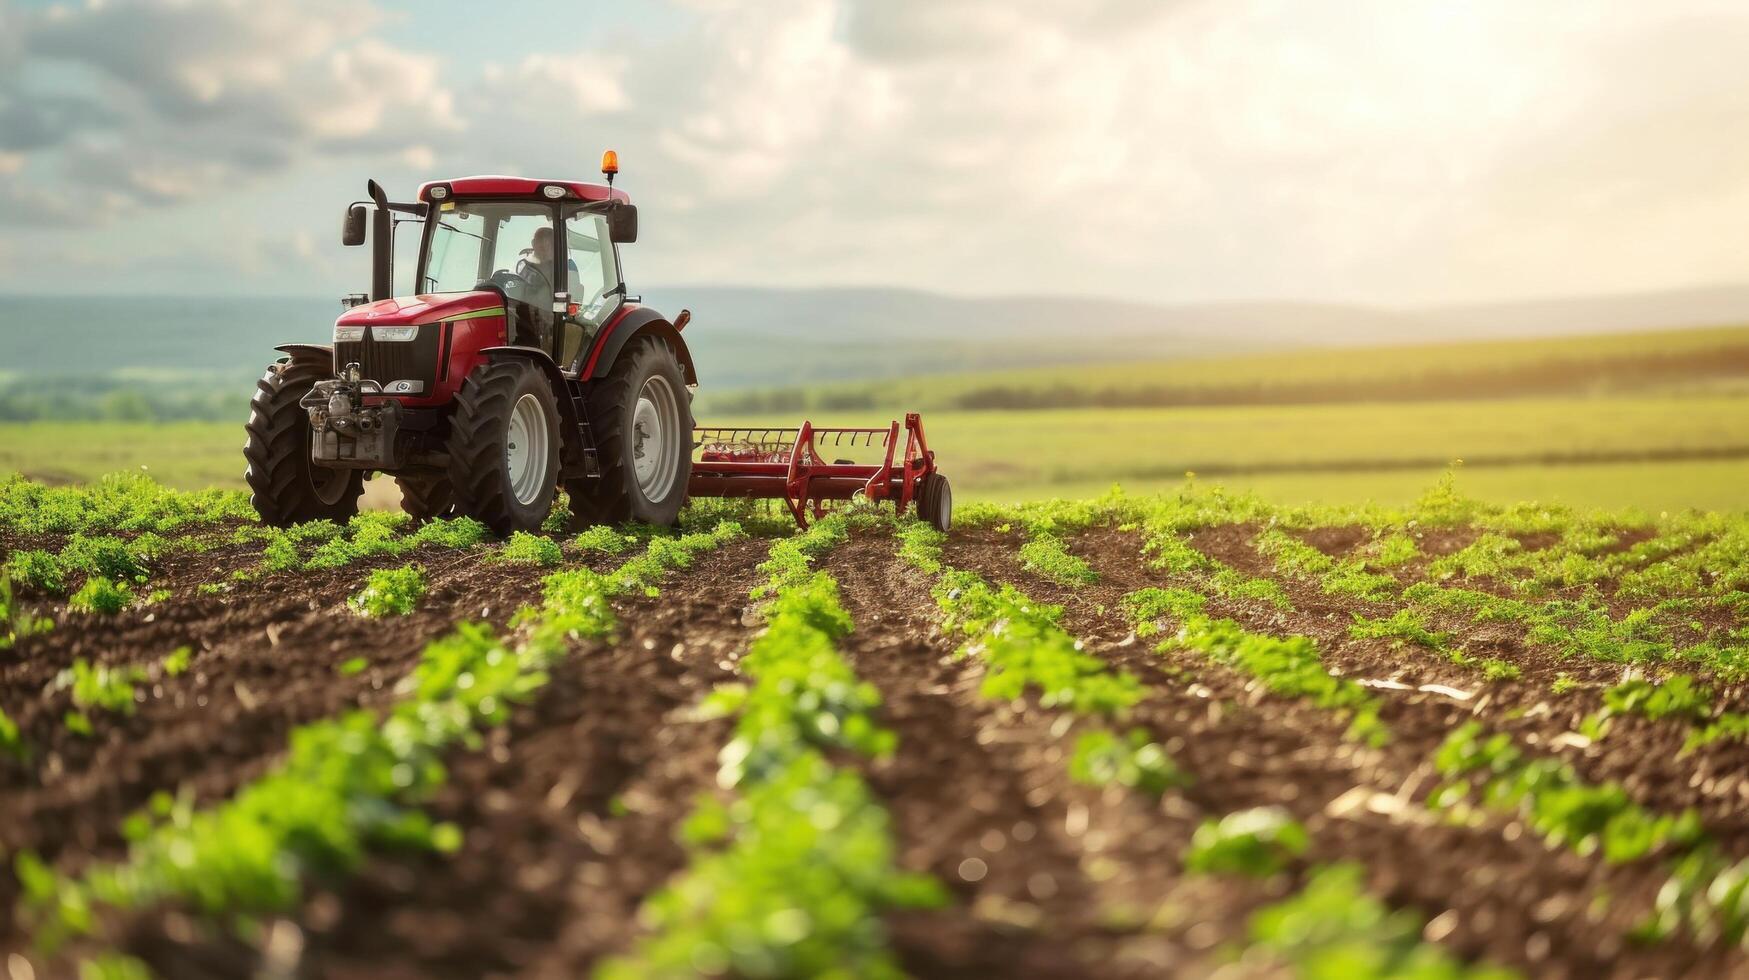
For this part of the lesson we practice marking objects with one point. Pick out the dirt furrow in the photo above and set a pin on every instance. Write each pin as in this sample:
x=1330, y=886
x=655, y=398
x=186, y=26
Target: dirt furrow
x=568, y=812
x=1710, y=779
x=1492, y=892
x=223, y=721
x=1051, y=878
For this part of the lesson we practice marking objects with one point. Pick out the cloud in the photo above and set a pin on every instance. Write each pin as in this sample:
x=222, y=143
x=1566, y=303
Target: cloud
x=162, y=101
x=1185, y=149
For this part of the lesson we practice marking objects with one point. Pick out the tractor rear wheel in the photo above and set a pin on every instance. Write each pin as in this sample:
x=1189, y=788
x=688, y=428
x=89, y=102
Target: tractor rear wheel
x=286, y=488
x=641, y=417
x=935, y=502
x=504, y=447
x=426, y=497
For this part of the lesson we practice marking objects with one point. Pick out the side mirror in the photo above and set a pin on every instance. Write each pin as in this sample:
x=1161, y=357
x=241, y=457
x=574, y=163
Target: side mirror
x=352, y=229
x=622, y=223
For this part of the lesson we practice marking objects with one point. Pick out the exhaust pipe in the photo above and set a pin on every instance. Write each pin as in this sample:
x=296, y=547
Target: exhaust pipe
x=382, y=245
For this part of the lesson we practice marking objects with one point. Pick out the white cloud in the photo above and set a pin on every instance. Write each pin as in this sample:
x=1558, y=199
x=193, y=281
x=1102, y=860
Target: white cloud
x=164, y=101
x=1373, y=150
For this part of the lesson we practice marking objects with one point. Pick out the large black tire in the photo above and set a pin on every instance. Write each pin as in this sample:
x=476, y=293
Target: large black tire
x=489, y=483
x=935, y=502
x=426, y=497
x=646, y=370
x=285, y=487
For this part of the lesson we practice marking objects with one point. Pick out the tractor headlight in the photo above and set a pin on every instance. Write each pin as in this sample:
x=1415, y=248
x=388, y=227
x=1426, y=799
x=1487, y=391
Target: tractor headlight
x=394, y=335
x=348, y=335
x=554, y=191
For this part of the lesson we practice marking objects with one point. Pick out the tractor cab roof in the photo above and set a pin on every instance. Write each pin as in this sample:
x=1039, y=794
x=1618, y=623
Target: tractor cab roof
x=530, y=187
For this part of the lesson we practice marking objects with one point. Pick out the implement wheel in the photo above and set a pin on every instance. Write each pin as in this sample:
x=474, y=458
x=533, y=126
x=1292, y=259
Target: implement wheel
x=504, y=447
x=286, y=488
x=935, y=502
x=641, y=416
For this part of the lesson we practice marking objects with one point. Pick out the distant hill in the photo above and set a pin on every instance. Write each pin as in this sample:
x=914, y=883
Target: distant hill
x=1711, y=359
x=1702, y=306
x=755, y=337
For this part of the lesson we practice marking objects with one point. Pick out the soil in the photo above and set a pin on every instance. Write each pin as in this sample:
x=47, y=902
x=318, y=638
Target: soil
x=569, y=811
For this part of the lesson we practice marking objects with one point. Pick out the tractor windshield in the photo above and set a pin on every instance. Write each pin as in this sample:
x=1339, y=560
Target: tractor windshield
x=509, y=243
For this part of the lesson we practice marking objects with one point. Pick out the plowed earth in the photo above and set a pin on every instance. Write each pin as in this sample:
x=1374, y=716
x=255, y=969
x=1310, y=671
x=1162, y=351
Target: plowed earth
x=569, y=811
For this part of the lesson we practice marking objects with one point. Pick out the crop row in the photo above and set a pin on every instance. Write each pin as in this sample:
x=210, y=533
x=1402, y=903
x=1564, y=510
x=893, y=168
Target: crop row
x=348, y=785
x=790, y=876
x=1330, y=926
x=1705, y=895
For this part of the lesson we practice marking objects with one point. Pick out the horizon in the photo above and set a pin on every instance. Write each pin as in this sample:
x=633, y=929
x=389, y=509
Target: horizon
x=1517, y=300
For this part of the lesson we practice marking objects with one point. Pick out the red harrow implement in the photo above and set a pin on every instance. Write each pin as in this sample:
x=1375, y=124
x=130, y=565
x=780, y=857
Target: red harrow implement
x=788, y=465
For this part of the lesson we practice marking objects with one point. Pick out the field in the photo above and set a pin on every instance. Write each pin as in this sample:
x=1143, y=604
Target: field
x=1651, y=451
x=1124, y=736
x=1657, y=421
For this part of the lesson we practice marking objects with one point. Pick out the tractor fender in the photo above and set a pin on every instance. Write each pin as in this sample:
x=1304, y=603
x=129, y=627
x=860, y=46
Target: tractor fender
x=570, y=430
x=636, y=321
x=314, y=350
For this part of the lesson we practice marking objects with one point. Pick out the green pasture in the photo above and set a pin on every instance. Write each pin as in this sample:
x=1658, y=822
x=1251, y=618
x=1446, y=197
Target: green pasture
x=1348, y=452
x=1665, y=360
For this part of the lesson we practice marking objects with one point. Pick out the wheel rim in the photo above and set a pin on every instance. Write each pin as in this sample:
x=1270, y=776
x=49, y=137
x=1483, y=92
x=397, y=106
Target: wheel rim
x=655, y=437
x=526, y=449
x=944, y=507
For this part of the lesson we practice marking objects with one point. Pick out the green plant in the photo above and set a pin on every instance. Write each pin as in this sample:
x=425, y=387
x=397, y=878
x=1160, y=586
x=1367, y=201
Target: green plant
x=1045, y=555
x=1236, y=585
x=790, y=879
x=11, y=742
x=16, y=622
x=101, y=687
x=1257, y=843
x=1101, y=758
x=175, y=664
x=604, y=539
x=391, y=592
x=530, y=549
x=1393, y=550
x=346, y=785
x=1146, y=608
x=1290, y=667
x=100, y=595
x=1677, y=696
x=797, y=890
x=1499, y=670
x=1332, y=928
x=1402, y=626
x=1556, y=803
x=37, y=569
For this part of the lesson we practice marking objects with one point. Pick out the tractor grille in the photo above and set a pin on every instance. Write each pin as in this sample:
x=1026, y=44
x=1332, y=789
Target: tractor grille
x=383, y=362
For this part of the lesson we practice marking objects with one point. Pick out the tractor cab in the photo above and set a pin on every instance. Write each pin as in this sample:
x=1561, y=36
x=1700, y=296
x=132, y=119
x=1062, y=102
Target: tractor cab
x=540, y=255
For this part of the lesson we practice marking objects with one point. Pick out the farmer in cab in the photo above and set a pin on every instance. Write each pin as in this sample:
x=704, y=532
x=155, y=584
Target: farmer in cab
x=535, y=261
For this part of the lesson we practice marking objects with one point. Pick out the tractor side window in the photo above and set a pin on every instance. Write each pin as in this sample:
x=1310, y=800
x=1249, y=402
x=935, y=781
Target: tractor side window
x=592, y=268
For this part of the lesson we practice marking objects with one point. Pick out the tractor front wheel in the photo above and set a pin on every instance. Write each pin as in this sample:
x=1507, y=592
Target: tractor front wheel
x=286, y=488
x=504, y=447
x=641, y=417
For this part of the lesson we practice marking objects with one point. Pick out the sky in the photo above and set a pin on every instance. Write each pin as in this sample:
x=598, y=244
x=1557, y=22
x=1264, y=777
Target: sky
x=1390, y=152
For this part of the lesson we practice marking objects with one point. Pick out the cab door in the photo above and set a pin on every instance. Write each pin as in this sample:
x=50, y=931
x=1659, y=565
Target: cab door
x=592, y=279
x=515, y=247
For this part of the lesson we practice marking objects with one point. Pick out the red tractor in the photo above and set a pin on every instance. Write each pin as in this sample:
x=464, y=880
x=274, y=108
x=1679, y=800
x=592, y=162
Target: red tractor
x=521, y=366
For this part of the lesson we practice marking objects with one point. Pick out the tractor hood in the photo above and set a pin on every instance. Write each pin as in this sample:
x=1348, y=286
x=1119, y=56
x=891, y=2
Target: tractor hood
x=424, y=308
